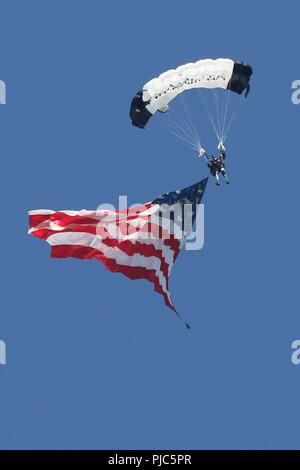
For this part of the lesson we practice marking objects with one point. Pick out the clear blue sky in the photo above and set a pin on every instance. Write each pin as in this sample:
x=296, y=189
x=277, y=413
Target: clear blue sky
x=95, y=360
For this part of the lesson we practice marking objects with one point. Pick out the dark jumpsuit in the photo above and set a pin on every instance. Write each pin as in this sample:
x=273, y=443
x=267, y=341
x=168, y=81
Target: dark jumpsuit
x=216, y=164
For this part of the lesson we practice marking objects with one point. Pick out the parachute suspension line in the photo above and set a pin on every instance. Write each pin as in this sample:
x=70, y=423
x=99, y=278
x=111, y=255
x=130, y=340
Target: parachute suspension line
x=225, y=116
x=192, y=145
x=234, y=115
x=181, y=132
x=188, y=122
x=170, y=123
x=180, y=128
x=176, y=129
x=189, y=129
x=216, y=98
x=159, y=131
x=179, y=123
x=209, y=114
x=196, y=133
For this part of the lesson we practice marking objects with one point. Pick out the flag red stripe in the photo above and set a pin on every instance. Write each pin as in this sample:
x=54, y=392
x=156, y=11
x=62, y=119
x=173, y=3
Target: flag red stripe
x=133, y=272
x=63, y=219
x=45, y=233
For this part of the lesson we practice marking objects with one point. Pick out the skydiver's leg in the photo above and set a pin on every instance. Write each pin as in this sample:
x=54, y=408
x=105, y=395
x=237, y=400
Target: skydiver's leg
x=217, y=178
x=225, y=176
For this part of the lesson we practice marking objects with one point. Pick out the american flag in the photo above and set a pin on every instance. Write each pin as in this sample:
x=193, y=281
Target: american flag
x=141, y=242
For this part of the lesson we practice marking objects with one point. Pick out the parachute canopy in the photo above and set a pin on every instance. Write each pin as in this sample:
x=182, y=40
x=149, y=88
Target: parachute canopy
x=159, y=92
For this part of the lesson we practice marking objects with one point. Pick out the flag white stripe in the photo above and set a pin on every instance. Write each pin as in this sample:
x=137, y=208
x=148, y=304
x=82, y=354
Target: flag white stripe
x=95, y=242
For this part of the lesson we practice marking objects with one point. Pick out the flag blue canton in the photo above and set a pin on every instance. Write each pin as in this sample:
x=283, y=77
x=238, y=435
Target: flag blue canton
x=192, y=195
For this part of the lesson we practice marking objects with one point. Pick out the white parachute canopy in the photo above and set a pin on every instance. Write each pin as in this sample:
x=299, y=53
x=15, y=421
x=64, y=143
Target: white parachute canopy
x=202, y=74
x=157, y=94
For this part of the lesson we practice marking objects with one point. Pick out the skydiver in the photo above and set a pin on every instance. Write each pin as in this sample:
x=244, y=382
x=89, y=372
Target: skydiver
x=216, y=163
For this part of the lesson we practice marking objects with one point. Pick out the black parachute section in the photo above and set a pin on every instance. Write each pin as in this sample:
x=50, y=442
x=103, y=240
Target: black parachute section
x=240, y=78
x=139, y=114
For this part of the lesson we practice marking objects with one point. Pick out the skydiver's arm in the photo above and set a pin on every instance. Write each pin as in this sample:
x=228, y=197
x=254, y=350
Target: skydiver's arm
x=203, y=153
x=206, y=158
x=222, y=149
